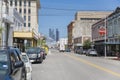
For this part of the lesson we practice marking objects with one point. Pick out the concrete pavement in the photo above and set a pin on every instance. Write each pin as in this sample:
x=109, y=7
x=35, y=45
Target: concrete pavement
x=69, y=66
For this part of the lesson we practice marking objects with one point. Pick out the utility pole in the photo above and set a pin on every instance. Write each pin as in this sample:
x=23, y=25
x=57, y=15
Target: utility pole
x=105, y=35
x=1, y=12
x=1, y=22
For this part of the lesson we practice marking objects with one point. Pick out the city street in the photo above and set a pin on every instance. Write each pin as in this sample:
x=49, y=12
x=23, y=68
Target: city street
x=69, y=66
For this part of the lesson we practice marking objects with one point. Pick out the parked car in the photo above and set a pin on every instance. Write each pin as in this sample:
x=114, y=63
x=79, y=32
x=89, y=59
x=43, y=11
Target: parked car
x=28, y=66
x=91, y=52
x=67, y=50
x=11, y=65
x=35, y=54
x=79, y=51
x=84, y=51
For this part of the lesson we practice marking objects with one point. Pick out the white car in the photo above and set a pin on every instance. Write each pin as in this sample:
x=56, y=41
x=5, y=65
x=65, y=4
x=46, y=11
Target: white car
x=27, y=66
x=92, y=52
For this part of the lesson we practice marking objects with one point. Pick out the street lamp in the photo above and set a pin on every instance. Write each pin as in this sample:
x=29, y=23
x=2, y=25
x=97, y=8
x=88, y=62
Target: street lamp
x=105, y=35
x=102, y=31
x=1, y=12
x=1, y=21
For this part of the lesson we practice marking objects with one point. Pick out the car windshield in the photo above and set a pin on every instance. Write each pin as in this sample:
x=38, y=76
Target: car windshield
x=3, y=63
x=33, y=50
x=24, y=58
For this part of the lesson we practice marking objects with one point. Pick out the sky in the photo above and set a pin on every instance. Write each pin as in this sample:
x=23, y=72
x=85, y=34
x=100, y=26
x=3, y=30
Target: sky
x=57, y=14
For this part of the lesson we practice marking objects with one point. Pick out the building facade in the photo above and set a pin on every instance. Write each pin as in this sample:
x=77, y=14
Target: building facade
x=70, y=34
x=83, y=23
x=112, y=37
x=28, y=34
x=18, y=22
x=57, y=35
x=113, y=30
x=5, y=22
x=98, y=39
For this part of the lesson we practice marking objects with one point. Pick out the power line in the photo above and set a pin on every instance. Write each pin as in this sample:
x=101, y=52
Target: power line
x=65, y=9
x=59, y=9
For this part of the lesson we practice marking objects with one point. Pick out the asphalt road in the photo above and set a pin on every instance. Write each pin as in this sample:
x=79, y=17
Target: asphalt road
x=69, y=66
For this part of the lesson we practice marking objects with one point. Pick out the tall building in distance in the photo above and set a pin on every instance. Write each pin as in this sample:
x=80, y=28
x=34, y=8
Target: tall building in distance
x=50, y=32
x=57, y=35
x=54, y=34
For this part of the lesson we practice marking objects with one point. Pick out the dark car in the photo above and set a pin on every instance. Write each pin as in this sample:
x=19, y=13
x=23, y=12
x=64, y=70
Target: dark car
x=67, y=50
x=35, y=54
x=11, y=65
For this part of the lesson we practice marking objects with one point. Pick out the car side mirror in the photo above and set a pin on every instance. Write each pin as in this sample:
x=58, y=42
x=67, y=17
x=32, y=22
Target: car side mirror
x=18, y=64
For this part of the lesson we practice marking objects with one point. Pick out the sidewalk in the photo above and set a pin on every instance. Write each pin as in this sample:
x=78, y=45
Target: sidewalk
x=112, y=58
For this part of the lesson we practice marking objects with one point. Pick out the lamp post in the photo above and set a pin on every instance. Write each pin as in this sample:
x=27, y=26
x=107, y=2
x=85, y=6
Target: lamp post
x=102, y=32
x=1, y=12
x=105, y=36
x=1, y=22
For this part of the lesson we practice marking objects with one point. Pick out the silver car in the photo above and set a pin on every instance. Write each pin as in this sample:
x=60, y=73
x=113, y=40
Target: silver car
x=28, y=66
x=91, y=52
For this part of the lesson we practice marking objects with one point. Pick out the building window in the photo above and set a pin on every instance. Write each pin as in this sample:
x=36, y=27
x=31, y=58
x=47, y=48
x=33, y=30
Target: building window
x=24, y=11
x=15, y=2
x=29, y=3
x=90, y=18
x=20, y=10
x=24, y=2
x=11, y=3
x=25, y=18
x=29, y=11
x=20, y=3
x=24, y=24
x=28, y=18
x=28, y=24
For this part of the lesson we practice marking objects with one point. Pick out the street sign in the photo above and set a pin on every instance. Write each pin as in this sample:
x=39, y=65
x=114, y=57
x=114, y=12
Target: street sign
x=102, y=31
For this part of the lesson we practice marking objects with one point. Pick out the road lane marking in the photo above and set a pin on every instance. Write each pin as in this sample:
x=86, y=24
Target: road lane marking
x=94, y=65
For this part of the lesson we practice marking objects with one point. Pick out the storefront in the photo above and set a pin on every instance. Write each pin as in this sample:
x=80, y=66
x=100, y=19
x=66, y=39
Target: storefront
x=24, y=40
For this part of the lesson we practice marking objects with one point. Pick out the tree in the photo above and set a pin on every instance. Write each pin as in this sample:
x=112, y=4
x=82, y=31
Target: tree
x=41, y=41
x=87, y=44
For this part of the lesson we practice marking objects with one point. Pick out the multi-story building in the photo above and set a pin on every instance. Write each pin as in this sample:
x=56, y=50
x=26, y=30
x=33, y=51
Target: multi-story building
x=98, y=39
x=83, y=23
x=57, y=35
x=112, y=37
x=70, y=34
x=113, y=31
x=5, y=22
x=29, y=11
x=18, y=22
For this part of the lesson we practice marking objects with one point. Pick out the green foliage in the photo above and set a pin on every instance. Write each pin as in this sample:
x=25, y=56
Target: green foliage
x=87, y=44
x=41, y=42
